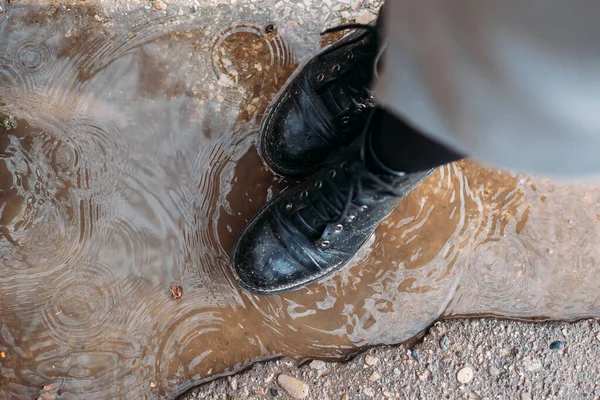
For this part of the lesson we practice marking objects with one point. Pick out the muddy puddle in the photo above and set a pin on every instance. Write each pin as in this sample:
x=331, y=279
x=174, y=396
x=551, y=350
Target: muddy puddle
x=128, y=164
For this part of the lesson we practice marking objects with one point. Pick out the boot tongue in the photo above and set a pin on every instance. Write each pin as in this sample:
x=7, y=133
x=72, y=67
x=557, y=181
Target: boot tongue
x=312, y=225
x=334, y=96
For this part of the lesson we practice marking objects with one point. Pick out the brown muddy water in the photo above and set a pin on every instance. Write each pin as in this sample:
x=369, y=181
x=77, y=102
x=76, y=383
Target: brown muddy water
x=131, y=169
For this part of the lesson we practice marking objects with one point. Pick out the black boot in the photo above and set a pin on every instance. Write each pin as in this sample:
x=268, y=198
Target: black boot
x=324, y=106
x=312, y=230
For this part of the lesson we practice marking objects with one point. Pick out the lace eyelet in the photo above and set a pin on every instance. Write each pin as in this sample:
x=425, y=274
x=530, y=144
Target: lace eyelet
x=338, y=228
x=320, y=77
x=345, y=121
x=332, y=173
x=318, y=184
x=362, y=107
x=350, y=55
x=304, y=193
x=351, y=218
x=288, y=207
x=344, y=165
x=335, y=68
x=323, y=244
x=364, y=208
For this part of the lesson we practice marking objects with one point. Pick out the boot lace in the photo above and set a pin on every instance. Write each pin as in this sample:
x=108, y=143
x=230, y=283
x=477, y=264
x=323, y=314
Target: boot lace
x=315, y=114
x=332, y=196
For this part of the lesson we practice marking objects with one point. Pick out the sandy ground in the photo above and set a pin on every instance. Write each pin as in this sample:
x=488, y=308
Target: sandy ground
x=456, y=359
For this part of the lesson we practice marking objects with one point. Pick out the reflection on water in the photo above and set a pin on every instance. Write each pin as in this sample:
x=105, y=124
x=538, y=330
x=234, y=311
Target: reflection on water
x=133, y=166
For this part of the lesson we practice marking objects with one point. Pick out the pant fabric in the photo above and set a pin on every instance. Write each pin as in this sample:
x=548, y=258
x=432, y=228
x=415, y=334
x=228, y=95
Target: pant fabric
x=511, y=83
x=399, y=147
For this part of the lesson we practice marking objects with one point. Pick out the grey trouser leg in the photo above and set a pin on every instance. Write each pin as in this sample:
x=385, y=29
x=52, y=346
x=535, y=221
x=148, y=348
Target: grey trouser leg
x=510, y=82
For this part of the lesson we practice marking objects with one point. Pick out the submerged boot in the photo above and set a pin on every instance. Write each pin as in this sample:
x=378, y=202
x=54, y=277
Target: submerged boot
x=324, y=105
x=312, y=230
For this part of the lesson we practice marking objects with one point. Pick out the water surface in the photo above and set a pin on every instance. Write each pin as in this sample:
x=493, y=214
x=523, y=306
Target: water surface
x=133, y=166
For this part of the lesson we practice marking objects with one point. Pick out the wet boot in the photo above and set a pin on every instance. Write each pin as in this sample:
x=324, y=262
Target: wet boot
x=324, y=106
x=310, y=231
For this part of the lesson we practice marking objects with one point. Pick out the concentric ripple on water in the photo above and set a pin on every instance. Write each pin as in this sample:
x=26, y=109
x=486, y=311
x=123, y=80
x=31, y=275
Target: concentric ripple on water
x=130, y=165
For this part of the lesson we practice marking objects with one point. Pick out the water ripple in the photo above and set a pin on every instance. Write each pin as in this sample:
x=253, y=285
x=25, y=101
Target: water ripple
x=31, y=57
x=4, y=11
x=87, y=301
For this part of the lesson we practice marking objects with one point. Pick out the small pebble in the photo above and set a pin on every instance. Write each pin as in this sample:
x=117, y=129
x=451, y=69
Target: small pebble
x=532, y=364
x=274, y=392
x=494, y=371
x=510, y=352
x=444, y=342
x=160, y=5
x=386, y=393
x=233, y=383
x=365, y=17
x=374, y=376
x=345, y=397
x=415, y=354
x=371, y=360
x=369, y=392
x=292, y=386
x=425, y=375
x=557, y=345
x=396, y=371
x=270, y=28
x=176, y=291
x=465, y=375
x=318, y=365
x=525, y=396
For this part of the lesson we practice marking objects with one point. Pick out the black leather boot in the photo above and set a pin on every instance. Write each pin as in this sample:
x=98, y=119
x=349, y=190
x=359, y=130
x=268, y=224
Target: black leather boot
x=312, y=230
x=324, y=105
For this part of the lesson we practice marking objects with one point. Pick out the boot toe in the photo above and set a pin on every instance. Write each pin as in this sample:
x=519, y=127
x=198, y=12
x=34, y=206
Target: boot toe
x=265, y=258
x=287, y=145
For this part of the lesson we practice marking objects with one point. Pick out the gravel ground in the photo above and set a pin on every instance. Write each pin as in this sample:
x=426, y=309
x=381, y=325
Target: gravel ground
x=456, y=359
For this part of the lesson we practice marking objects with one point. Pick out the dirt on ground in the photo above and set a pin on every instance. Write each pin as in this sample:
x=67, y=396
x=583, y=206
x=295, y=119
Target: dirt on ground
x=456, y=359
